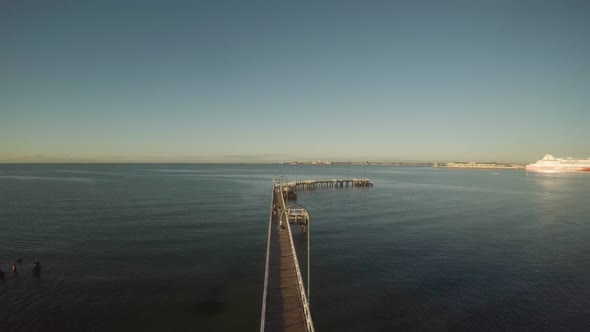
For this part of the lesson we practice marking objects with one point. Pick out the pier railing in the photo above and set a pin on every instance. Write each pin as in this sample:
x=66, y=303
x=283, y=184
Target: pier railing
x=263, y=317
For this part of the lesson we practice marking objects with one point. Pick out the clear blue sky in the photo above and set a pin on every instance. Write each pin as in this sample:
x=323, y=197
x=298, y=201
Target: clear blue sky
x=264, y=81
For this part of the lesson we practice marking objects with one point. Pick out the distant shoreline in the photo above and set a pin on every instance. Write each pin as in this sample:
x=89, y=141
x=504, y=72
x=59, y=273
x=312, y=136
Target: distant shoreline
x=463, y=165
x=511, y=168
x=358, y=163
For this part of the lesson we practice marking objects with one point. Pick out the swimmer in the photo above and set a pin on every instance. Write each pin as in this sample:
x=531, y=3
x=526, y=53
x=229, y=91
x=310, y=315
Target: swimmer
x=36, y=267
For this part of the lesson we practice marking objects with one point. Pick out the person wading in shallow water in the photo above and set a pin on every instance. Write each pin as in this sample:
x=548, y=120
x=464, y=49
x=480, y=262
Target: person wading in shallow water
x=36, y=268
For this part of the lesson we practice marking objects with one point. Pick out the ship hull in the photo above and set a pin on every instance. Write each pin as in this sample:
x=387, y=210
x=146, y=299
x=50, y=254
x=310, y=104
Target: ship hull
x=556, y=169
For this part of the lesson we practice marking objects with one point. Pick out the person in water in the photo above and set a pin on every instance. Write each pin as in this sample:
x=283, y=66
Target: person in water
x=36, y=267
x=14, y=267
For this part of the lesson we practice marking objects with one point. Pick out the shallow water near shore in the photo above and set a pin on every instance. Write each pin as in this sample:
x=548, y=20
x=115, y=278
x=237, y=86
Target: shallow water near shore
x=182, y=247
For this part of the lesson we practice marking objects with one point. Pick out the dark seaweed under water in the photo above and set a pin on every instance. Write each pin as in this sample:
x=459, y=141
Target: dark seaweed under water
x=179, y=247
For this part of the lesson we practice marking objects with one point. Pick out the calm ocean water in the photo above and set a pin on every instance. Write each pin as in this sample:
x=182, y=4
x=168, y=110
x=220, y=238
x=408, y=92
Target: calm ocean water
x=169, y=247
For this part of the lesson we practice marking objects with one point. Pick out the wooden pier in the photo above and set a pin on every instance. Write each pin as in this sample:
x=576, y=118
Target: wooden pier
x=329, y=183
x=293, y=186
x=285, y=305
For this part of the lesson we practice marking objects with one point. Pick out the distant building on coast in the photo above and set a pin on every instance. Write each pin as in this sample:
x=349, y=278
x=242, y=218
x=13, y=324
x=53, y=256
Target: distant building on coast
x=319, y=162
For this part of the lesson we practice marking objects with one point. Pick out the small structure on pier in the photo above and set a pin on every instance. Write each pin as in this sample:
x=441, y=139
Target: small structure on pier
x=298, y=215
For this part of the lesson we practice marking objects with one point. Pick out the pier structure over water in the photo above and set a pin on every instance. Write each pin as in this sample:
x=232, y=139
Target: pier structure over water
x=285, y=304
x=328, y=183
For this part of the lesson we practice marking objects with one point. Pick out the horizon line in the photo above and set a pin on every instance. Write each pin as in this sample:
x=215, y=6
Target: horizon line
x=359, y=163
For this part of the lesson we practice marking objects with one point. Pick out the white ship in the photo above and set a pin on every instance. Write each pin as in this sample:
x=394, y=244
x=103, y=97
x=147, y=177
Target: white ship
x=550, y=164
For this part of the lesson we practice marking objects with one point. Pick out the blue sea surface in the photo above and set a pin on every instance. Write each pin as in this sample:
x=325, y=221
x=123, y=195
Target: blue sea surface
x=179, y=247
